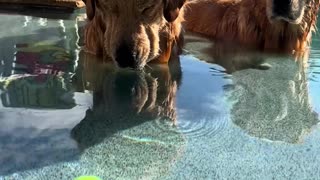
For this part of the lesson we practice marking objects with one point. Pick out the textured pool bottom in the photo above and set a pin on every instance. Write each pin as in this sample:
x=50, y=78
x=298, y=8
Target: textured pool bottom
x=234, y=155
x=270, y=132
x=265, y=137
x=230, y=154
x=247, y=149
x=142, y=152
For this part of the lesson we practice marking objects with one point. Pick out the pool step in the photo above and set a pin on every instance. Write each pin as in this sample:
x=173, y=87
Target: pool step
x=73, y=4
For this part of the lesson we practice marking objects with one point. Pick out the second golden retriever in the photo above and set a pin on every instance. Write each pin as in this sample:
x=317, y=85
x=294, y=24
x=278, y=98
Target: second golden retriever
x=272, y=25
x=134, y=32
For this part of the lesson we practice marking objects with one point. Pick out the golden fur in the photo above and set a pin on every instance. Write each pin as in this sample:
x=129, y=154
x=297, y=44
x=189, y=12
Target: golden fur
x=247, y=22
x=151, y=27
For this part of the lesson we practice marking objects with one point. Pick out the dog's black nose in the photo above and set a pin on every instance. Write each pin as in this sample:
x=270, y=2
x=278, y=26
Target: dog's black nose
x=124, y=56
x=281, y=7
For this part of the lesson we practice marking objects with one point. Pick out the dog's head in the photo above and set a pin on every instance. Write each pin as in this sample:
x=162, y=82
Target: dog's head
x=291, y=11
x=136, y=31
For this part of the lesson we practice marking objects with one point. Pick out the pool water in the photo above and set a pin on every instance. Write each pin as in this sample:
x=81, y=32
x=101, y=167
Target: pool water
x=216, y=112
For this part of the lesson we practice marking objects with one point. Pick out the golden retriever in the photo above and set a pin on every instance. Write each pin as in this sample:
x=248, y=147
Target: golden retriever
x=134, y=32
x=270, y=25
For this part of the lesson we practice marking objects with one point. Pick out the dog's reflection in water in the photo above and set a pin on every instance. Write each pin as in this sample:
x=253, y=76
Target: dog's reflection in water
x=275, y=104
x=124, y=98
x=129, y=130
x=269, y=92
x=231, y=57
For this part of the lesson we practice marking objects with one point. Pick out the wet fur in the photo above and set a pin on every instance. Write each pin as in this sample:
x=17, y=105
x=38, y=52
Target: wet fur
x=246, y=22
x=154, y=41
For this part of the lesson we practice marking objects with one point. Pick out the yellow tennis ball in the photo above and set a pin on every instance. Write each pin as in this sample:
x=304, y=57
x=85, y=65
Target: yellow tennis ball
x=87, y=178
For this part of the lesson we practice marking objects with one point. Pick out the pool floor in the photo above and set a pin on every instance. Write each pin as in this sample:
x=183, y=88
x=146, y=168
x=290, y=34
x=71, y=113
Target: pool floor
x=216, y=112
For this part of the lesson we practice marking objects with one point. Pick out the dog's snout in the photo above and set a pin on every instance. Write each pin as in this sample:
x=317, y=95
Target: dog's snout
x=288, y=10
x=124, y=56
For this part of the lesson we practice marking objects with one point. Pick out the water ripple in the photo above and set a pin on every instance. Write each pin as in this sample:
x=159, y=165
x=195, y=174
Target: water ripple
x=218, y=72
x=314, y=66
x=194, y=127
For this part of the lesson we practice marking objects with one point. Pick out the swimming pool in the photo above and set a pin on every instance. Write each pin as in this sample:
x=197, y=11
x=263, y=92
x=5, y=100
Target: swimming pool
x=216, y=112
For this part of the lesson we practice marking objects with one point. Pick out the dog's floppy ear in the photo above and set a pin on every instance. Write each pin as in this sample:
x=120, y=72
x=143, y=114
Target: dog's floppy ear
x=90, y=8
x=171, y=9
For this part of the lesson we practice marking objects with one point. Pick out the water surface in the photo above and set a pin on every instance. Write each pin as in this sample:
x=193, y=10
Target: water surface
x=216, y=112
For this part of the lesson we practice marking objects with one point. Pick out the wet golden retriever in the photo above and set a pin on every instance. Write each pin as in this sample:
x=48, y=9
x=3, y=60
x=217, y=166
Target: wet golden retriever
x=270, y=25
x=134, y=32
